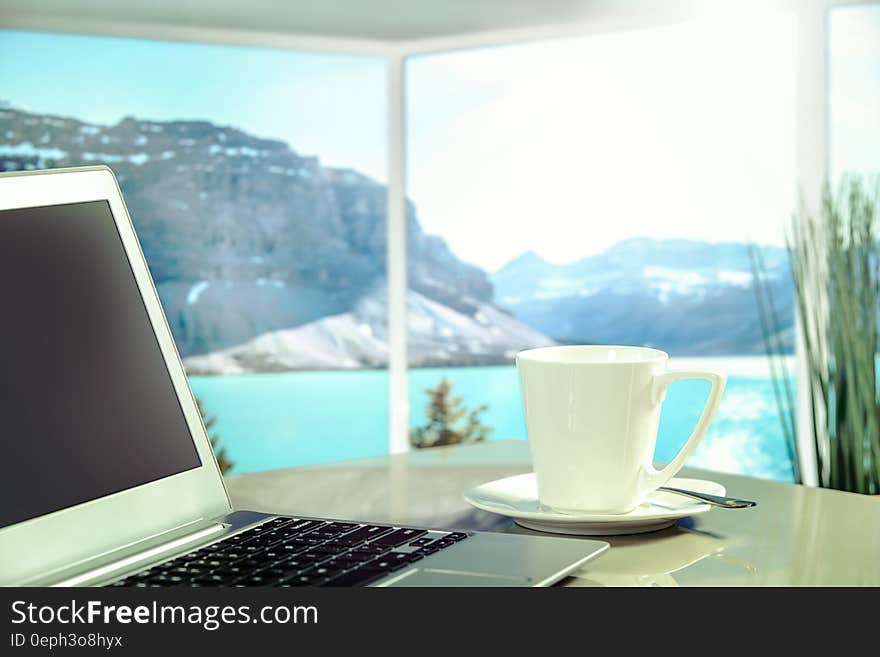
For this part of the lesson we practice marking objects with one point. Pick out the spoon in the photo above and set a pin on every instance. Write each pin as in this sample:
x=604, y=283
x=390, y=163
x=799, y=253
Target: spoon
x=714, y=500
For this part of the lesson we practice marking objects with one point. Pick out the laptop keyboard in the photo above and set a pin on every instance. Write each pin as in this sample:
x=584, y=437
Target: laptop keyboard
x=298, y=552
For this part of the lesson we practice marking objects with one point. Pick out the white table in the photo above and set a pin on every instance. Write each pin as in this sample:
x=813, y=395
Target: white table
x=795, y=536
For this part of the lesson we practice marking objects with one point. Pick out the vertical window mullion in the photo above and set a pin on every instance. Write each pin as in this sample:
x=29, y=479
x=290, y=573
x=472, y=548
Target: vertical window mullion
x=398, y=438
x=812, y=170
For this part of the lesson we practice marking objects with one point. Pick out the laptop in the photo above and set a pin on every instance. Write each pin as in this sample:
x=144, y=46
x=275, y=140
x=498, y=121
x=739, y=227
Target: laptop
x=109, y=475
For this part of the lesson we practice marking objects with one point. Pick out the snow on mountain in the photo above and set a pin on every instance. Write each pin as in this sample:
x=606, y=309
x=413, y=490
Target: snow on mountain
x=332, y=343
x=686, y=296
x=438, y=335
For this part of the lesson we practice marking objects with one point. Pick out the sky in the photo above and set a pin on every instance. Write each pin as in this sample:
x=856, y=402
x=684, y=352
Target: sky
x=328, y=105
x=563, y=147
x=567, y=147
x=855, y=89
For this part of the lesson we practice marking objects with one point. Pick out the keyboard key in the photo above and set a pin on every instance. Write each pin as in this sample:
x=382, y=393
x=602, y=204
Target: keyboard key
x=229, y=573
x=422, y=541
x=292, y=548
x=188, y=571
x=304, y=580
x=456, y=536
x=324, y=532
x=266, y=540
x=235, y=540
x=323, y=571
x=302, y=526
x=272, y=554
x=342, y=564
x=303, y=540
x=369, y=548
x=357, y=577
x=280, y=572
x=391, y=561
x=350, y=558
x=398, y=537
x=223, y=547
x=363, y=534
x=193, y=562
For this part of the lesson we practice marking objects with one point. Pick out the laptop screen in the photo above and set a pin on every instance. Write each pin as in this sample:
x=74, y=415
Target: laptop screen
x=87, y=406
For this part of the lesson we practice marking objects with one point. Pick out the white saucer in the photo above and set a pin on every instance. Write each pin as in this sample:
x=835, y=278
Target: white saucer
x=517, y=498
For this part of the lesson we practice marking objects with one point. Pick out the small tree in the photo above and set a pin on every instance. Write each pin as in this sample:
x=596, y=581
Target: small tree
x=449, y=421
x=223, y=460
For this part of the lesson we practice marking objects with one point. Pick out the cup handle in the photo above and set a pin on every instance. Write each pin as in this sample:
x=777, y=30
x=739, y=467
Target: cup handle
x=651, y=479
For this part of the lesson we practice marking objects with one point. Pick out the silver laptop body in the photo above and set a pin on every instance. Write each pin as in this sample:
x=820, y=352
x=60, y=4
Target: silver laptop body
x=61, y=528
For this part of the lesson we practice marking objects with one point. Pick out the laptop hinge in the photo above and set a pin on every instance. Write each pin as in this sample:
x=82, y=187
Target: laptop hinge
x=126, y=563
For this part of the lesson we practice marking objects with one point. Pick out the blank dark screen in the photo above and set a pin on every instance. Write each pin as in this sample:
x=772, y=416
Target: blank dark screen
x=87, y=406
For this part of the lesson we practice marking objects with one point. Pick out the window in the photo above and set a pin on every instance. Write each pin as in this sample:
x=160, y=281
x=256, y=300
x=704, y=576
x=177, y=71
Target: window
x=603, y=189
x=256, y=187
x=854, y=76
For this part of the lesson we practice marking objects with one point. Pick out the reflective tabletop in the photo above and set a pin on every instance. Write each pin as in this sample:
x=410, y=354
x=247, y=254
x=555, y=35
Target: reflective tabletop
x=795, y=536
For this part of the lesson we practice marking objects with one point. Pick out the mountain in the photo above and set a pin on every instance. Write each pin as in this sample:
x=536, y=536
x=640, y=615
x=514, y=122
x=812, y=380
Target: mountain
x=266, y=259
x=687, y=297
x=245, y=237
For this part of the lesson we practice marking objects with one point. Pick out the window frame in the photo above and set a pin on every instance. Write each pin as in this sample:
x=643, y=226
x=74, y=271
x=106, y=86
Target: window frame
x=812, y=153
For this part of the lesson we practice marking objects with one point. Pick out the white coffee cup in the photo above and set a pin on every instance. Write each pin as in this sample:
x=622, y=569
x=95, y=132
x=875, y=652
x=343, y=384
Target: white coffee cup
x=592, y=414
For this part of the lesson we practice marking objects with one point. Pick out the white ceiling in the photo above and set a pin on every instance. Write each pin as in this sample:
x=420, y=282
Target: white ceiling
x=377, y=26
x=379, y=20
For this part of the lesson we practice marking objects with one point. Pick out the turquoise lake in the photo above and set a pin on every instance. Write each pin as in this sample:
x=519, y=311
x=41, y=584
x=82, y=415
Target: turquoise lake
x=268, y=421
